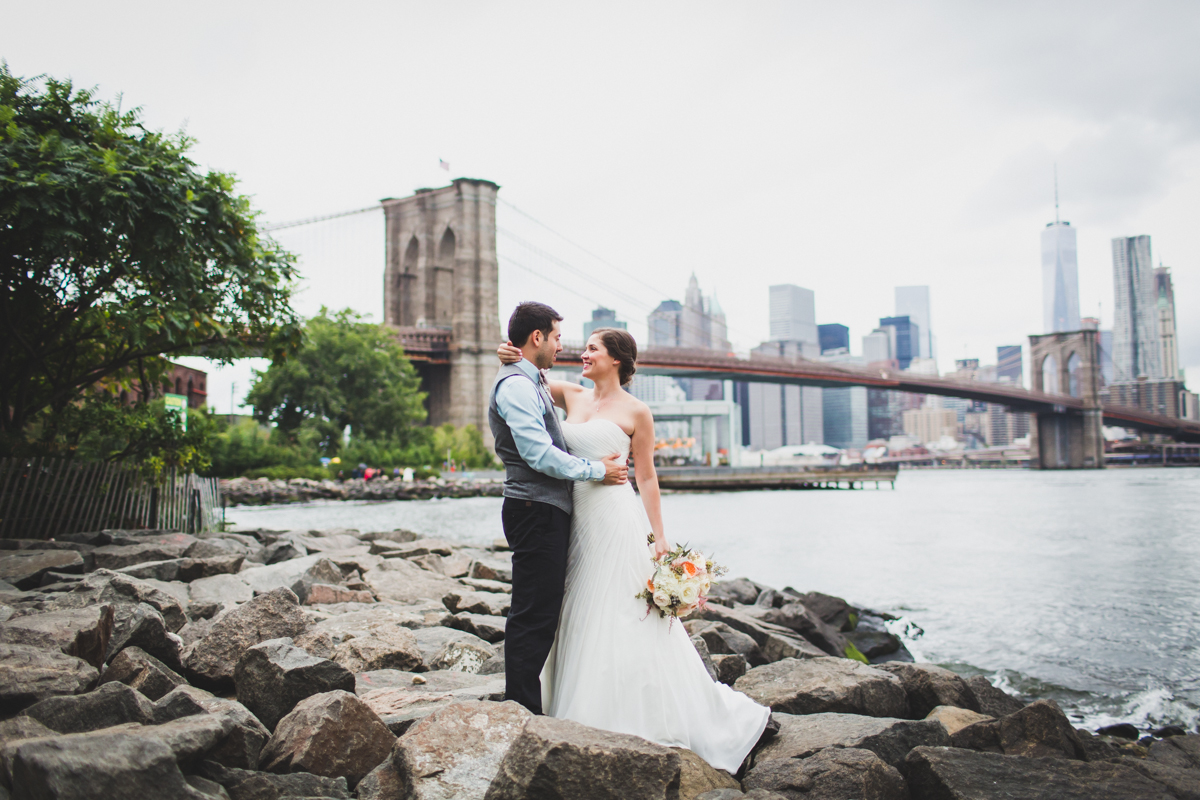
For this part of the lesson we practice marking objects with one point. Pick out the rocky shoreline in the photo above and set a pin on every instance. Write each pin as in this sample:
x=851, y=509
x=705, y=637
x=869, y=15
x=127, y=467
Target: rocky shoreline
x=263, y=491
x=335, y=664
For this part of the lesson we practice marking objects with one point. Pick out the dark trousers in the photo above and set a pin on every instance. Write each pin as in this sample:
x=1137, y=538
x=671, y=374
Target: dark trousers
x=538, y=534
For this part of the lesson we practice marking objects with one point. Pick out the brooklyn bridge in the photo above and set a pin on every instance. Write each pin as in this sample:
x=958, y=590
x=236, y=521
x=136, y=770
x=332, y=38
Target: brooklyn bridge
x=441, y=287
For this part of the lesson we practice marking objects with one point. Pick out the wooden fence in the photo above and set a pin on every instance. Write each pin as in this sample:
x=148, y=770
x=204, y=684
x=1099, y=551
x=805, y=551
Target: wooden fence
x=44, y=497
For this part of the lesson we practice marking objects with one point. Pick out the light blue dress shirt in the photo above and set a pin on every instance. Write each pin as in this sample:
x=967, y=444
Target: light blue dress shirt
x=521, y=405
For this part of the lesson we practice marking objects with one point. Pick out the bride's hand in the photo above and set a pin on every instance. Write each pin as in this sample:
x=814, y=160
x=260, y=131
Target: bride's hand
x=508, y=354
x=661, y=548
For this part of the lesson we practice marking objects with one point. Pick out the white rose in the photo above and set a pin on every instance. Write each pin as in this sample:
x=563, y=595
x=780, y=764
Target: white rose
x=690, y=593
x=662, y=599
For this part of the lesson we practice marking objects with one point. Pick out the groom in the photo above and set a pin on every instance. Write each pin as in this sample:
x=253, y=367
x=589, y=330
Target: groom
x=537, y=496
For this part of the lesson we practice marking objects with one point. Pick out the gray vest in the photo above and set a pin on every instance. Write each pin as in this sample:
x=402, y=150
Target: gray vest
x=522, y=481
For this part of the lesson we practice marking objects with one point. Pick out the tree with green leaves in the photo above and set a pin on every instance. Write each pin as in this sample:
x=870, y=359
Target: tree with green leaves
x=117, y=250
x=349, y=373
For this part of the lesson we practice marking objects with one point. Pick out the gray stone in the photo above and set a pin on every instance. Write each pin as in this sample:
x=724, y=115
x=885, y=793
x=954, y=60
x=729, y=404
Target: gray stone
x=950, y=773
x=990, y=700
x=929, y=686
x=832, y=610
x=325, y=594
x=185, y=569
x=832, y=774
x=557, y=759
x=244, y=742
x=106, y=765
x=495, y=665
x=493, y=604
x=486, y=627
x=418, y=547
x=738, y=590
x=277, y=575
x=381, y=783
x=730, y=667
x=218, y=546
x=456, y=751
x=115, y=557
x=702, y=649
x=1177, y=751
x=207, y=788
x=142, y=626
x=874, y=644
x=82, y=632
x=332, y=734
x=273, y=615
x=775, y=642
x=249, y=785
x=797, y=618
x=106, y=586
x=24, y=568
x=826, y=684
x=139, y=670
x=279, y=552
x=324, y=571
x=388, y=647
x=1038, y=729
x=1182, y=782
x=220, y=590
x=802, y=736
x=697, y=776
x=480, y=585
x=491, y=570
x=400, y=581
x=722, y=640
x=954, y=719
x=111, y=704
x=30, y=674
x=272, y=677
x=457, y=651
x=191, y=737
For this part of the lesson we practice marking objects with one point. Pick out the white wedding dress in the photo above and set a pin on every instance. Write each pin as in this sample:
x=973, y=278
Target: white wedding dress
x=612, y=665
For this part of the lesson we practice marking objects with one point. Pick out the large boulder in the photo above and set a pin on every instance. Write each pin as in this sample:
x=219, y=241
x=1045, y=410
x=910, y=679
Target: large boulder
x=557, y=759
x=417, y=547
x=115, y=557
x=929, y=686
x=243, y=784
x=1183, y=783
x=950, y=773
x=24, y=568
x=448, y=649
x=832, y=774
x=244, y=742
x=332, y=734
x=139, y=670
x=954, y=719
x=221, y=590
x=491, y=569
x=990, y=700
x=399, y=581
x=273, y=676
x=729, y=667
x=722, y=639
x=106, y=765
x=385, y=647
x=1038, y=729
x=485, y=626
x=795, y=617
x=697, y=776
x=274, y=615
x=492, y=604
x=111, y=704
x=737, y=590
x=1177, y=751
x=826, y=684
x=456, y=751
x=29, y=674
x=775, y=642
x=144, y=627
x=802, y=736
x=383, y=782
x=123, y=592
x=79, y=632
x=323, y=571
x=832, y=610
x=403, y=698
x=185, y=569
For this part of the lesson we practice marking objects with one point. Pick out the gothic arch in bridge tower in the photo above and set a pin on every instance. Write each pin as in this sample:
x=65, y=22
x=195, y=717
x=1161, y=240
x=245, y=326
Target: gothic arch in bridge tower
x=441, y=287
x=1067, y=363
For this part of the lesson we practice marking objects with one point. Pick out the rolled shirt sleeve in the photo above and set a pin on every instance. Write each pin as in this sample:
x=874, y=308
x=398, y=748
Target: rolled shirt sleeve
x=522, y=408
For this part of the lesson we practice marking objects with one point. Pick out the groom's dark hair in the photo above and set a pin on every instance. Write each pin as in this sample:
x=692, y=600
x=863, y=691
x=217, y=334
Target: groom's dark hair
x=529, y=317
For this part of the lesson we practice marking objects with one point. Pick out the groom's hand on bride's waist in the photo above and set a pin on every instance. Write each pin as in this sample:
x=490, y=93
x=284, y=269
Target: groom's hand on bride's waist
x=615, y=469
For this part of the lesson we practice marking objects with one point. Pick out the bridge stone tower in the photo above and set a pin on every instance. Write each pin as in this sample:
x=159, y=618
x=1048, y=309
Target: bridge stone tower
x=1067, y=363
x=440, y=290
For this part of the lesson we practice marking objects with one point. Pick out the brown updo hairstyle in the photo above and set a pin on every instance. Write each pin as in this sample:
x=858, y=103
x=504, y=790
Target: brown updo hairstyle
x=621, y=346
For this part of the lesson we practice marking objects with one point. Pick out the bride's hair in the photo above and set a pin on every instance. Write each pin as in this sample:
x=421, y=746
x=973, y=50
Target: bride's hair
x=621, y=346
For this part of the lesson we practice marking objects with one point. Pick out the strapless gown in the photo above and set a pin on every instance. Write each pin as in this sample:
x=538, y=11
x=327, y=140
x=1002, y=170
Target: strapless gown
x=615, y=667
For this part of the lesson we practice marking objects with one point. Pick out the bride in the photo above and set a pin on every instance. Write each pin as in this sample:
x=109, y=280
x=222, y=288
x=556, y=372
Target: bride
x=613, y=666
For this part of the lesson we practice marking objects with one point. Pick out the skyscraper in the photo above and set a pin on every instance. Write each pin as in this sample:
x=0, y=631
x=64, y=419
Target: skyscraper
x=879, y=345
x=1166, y=323
x=1009, y=366
x=601, y=318
x=1137, y=343
x=793, y=314
x=913, y=302
x=908, y=338
x=1060, y=278
x=833, y=337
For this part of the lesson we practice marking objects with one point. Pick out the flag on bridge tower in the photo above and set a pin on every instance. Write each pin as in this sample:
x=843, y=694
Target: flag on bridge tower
x=444, y=165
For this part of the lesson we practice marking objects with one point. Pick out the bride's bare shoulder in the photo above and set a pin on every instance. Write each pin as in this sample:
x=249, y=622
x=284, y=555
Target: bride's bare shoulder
x=637, y=407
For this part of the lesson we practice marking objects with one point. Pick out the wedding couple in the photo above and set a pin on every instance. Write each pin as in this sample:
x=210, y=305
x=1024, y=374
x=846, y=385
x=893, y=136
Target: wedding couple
x=578, y=535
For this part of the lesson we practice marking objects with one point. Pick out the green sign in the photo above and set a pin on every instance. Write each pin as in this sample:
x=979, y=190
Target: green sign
x=177, y=404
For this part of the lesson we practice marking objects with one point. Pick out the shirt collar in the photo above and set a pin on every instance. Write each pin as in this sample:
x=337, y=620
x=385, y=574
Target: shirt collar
x=530, y=369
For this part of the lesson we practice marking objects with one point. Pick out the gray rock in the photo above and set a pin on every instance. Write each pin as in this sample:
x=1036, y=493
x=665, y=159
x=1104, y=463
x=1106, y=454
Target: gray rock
x=115, y=557
x=332, y=734
x=950, y=773
x=278, y=574
x=24, y=568
x=697, y=776
x=1038, y=729
x=386, y=647
x=722, y=639
x=279, y=552
x=738, y=590
x=185, y=569
x=30, y=674
x=106, y=765
x=272, y=677
x=1182, y=782
x=142, y=626
x=929, y=686
x=191, y=737
x=1177, y=751
x=816, y=685
x=729, y=668
x=990, y=700
x=324, y=571
x=244, y=742
x=273, y=615
x=418, y=547
x=381, y=783
x=954, y=719
x=796, y=617
x=207, y=788
x=556, y=759
x=400, y=581
x=802, y=736
x=456, y=751
x=832, y=610
x=495, y=664
x=106, y=586
x=139, y=670
x=218, y=546
x=702, y=649
x=493, y=604
x=111, y=704
x=249, y=785
x=457, y=651
x=775, y=642
x=182, y=701
x=220, y=590
x=832, y=774
x=491, y=570
x=486, y=627
x=83, y=632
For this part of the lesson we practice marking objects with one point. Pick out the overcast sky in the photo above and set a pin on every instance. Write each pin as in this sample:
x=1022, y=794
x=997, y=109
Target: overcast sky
x=846, y=149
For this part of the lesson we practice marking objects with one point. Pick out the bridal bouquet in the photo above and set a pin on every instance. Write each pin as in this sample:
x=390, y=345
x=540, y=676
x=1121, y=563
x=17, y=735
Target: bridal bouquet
x=680, y=582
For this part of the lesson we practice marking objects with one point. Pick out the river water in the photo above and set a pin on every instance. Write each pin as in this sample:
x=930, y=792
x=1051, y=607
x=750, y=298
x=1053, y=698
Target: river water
x=1081, y=586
